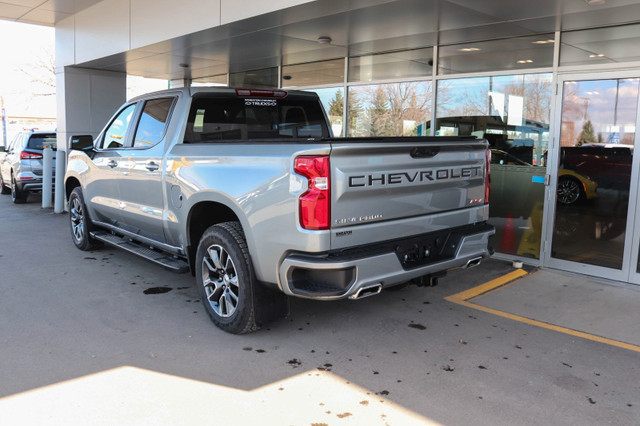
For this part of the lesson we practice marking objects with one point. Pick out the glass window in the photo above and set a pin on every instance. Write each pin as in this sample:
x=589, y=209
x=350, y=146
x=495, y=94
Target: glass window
x=406, y=64
x=333, y=102
x=313, y=74
x=42, y=141
x=265, y=78
x=226, y=118
x=115, y=134
x=600, y=46
x=153, y=122
x=507, y=54
x=395, y=109
x=512, y=113
x=594, y=175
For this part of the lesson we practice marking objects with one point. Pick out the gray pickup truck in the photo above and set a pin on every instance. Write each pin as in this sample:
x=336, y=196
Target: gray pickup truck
x=247, y=189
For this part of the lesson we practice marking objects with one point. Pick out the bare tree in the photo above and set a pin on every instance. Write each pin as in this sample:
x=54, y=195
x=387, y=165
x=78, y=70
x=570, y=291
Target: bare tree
x=42, y=73
x=390, y=107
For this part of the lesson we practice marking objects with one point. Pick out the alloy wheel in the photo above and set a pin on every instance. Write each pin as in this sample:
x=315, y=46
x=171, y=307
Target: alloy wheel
x=568, y=191
x=220, y=281
x=77, y=219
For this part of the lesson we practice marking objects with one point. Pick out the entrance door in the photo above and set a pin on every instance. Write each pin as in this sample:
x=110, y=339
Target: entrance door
x=592, y=226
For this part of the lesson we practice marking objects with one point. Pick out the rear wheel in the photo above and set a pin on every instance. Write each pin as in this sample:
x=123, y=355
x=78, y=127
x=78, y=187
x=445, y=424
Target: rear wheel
x=17, y=196
x=226, y=279
x=80, y=223
x=4, y=189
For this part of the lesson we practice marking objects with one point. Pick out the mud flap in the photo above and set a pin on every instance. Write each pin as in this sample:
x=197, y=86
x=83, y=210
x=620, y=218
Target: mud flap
x=269, y=305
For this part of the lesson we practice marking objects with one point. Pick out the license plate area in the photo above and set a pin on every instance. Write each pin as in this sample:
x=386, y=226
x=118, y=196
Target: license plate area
x=427, y=249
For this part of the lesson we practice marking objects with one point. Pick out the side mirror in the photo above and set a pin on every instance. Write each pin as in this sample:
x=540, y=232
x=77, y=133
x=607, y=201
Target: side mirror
x=81, y=142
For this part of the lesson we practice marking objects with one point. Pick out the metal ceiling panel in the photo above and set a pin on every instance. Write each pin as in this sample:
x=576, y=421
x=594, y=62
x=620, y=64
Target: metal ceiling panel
x=356, y=28
x=510, y=10
x=12, y=12
x=43, y=17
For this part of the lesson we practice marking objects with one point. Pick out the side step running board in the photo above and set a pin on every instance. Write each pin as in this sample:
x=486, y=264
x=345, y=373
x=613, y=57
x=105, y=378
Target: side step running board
x=175, y=265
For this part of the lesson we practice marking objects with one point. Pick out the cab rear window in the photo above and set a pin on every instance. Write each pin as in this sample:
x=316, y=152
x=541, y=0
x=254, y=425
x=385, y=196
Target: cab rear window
x=42, y=142
x=213, y=119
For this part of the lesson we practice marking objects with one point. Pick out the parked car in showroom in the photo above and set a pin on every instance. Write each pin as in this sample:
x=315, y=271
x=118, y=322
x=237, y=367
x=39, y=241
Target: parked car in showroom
x=573, y=187
x=21, y=168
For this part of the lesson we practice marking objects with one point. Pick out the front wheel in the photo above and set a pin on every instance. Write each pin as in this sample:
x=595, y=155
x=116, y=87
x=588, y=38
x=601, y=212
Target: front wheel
x=226, y=279
x=80, y=222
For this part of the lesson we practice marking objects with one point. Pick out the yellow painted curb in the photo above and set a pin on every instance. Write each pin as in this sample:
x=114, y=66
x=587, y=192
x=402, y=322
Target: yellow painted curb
x=463, y=298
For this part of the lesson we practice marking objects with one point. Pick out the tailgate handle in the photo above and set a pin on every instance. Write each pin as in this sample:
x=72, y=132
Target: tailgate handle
x=426, y=152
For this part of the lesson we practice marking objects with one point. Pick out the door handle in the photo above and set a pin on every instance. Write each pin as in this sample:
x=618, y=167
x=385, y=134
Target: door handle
x=112, y=164
x=426, y=152
x=152, y=167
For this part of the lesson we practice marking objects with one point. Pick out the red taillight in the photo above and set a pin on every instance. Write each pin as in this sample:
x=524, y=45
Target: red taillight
x=315, y=203
x=260, y=93
x=487, y=177
x=24, y=155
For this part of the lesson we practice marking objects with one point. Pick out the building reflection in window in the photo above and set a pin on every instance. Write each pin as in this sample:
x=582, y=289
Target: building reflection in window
x=512, y=113
x=594, y=176
x=392, y=109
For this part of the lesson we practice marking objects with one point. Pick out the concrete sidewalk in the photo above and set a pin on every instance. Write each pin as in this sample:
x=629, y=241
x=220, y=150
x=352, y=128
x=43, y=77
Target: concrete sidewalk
x=602, y=308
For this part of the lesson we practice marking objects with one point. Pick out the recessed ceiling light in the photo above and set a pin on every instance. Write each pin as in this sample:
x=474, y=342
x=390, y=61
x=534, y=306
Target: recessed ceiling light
x=468, y=49
x=597, y=55
x=525, y=61
x=549, y=41
x=324, y=39
x=595, y=2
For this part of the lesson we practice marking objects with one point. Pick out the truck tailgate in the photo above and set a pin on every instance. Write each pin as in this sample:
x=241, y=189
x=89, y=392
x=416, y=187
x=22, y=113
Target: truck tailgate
x=393, y=188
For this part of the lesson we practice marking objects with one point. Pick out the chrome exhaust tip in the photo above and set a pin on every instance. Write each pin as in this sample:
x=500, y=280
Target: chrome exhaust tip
x=473, y=262
x=363, y=292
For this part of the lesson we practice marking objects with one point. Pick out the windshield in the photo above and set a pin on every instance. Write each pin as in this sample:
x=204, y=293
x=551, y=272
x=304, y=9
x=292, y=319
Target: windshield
x=232, y=117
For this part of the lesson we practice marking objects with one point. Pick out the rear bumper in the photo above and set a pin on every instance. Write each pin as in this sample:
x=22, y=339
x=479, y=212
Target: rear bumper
x=32, y=185
x=344, y=275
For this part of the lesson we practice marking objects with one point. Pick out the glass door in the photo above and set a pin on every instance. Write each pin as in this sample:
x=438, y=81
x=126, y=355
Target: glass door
x=595, y=195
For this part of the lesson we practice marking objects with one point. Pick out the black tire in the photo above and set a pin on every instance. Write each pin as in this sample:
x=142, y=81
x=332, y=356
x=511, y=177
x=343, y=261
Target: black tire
x=225, y=278
x=569, y=191
x=17, y=196
x=4, y=189
x=80, y=223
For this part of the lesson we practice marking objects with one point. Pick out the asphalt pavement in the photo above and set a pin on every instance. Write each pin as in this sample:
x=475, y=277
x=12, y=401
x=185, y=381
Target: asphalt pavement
x=104, y=337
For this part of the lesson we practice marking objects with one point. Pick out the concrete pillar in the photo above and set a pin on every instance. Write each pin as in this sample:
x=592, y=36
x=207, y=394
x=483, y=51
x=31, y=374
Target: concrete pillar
x=86, y=101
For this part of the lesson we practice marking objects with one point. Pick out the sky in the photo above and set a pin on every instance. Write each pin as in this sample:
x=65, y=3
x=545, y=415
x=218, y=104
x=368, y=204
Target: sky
x=25, y=47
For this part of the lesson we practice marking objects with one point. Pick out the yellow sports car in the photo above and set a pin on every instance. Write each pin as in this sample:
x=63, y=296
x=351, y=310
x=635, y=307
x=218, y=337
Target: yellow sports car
x=572, y=186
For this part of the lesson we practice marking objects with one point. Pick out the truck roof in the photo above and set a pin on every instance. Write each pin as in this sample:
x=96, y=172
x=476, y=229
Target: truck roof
x=190, y=91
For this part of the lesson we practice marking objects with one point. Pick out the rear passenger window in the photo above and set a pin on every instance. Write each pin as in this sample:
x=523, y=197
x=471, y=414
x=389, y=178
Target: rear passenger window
x=153, y=122
x=114, y=136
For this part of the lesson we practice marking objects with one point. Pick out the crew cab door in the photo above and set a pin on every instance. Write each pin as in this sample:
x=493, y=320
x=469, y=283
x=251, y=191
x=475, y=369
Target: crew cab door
x=102, y=191
x=141, y=190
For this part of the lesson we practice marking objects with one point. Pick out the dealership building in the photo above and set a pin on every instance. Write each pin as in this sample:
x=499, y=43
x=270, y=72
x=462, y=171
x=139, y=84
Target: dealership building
x=553, y=85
